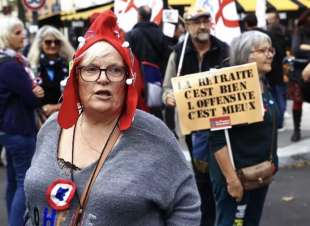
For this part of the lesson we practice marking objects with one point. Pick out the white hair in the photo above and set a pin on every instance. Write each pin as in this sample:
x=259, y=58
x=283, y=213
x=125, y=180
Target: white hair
x=98, y=50
x=241, y=46
x=7, y=25
x=66, y=49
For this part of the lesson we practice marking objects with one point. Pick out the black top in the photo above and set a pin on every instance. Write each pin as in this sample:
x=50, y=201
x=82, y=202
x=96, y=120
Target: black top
x=148, y=43
x=302, y=36
x=277, y=35
x=213, y=58
x=52, y=72
x=251, y=143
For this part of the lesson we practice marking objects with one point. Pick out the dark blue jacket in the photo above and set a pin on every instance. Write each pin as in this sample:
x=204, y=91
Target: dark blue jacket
x=17, y=101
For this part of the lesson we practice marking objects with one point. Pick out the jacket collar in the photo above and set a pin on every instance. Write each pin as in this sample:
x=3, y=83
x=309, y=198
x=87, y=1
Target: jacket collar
x=145, y=24
x=213, y=42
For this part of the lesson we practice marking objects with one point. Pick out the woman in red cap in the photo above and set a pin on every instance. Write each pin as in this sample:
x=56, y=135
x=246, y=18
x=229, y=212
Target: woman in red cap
x=104, y=162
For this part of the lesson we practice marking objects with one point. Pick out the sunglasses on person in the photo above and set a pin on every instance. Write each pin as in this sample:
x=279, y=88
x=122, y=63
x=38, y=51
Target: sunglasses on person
x=56, y=42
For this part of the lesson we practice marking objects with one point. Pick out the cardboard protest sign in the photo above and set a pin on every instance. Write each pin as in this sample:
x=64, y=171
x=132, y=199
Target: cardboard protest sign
x=170, y=15
x=219, y=98
x=169, y=29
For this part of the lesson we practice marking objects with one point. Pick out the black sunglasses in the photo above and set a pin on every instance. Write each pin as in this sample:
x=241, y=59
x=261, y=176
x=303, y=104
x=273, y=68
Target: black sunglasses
x=56, y=42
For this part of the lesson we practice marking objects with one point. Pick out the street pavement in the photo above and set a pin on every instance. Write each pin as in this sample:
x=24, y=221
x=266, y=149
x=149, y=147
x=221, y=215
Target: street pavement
x=288, y=199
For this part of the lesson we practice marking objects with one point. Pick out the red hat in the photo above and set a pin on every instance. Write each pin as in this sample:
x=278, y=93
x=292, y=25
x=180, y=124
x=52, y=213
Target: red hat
x=104, y=28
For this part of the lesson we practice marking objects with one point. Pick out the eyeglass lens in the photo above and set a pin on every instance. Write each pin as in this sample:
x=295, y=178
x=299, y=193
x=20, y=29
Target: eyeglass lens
x=266, y=51
x=114, y=73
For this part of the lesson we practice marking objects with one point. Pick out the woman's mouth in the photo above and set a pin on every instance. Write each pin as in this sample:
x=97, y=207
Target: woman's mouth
x=105, y=94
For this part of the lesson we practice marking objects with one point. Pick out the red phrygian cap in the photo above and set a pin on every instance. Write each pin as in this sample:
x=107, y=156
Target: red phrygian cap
x=104, y=28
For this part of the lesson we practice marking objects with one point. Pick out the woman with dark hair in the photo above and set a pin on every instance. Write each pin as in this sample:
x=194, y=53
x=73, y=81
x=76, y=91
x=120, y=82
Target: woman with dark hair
x=301, y=52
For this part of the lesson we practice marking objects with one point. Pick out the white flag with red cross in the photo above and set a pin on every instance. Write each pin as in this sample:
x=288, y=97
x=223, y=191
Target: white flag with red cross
x=225, y=18
x=126, y=11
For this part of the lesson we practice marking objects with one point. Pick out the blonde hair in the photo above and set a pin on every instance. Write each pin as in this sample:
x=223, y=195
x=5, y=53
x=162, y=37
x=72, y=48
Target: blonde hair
x=7, y=24
x=66, y=49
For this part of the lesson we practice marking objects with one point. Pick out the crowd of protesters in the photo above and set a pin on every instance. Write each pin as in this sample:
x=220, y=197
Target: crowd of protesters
x=112, y=74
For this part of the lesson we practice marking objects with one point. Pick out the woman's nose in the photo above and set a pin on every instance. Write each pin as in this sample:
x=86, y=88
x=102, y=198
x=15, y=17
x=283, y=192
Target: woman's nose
x=103, y=78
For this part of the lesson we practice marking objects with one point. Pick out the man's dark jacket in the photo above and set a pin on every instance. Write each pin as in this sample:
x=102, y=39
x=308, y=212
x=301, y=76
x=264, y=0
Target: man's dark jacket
x=148, y=44
x=213, y=58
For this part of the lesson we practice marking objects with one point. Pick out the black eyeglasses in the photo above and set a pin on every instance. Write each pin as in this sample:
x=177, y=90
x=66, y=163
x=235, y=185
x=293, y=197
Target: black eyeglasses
x=92, y=73
x=56, y=42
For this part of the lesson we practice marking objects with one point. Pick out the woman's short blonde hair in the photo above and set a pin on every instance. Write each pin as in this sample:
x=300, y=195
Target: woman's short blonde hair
x=66, y=49
x=7, y=24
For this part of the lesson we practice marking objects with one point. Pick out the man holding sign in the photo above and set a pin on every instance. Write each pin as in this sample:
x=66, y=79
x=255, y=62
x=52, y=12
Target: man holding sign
x=203, y=52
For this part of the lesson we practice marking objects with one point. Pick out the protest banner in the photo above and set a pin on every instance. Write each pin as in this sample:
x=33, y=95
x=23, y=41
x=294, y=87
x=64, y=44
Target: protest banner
x=218, y=99
x=126, y=12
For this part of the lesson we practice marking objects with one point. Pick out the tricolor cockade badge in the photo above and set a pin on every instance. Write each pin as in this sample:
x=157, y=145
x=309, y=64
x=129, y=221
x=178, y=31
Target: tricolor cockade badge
x=60, y=193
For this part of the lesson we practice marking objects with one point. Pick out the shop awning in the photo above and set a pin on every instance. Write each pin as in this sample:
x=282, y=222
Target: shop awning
x=247, y=5
x=305, y=2
x=181, y=2
x=284, y=5
x=280, y=5
x=47, y=16
x=250, y=5
x=83, y=15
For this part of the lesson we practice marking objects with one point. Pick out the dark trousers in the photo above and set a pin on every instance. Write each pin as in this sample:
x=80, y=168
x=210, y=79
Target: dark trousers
x=246, y=213
x=228, y=211
x=279, y=93
x=207, y=201
x=157, y=111
x=200, y=151
x=19, y=152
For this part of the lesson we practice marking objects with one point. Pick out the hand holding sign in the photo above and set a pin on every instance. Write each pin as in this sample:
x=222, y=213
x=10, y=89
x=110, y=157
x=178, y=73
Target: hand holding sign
x=170, y=99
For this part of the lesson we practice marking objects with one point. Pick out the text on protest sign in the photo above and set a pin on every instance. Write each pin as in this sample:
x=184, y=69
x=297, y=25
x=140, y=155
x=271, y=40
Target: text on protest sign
x=218, y=98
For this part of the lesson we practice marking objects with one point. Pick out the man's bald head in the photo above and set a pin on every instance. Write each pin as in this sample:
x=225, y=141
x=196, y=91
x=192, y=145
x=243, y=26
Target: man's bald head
x=144, y=13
